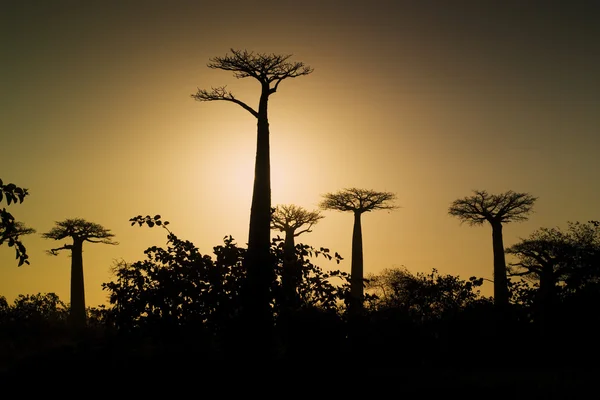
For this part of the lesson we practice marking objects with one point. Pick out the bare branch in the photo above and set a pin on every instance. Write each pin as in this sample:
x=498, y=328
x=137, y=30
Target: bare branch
x=358, y=200
x=221, y=93
x=54, y=252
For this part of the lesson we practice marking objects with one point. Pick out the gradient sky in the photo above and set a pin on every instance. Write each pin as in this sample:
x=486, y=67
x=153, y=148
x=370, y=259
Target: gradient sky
x=426, y=99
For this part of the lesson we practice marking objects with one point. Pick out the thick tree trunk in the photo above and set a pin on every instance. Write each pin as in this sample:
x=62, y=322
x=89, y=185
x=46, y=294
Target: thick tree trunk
x=78, y=316
x=291, y=271
x=259, y=237
x=500, y=279
x=356, y=272
x=545, y=297
x=257, y=262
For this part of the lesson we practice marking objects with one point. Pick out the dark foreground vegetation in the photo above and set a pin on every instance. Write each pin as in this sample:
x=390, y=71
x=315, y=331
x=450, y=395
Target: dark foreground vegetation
x=179, y=313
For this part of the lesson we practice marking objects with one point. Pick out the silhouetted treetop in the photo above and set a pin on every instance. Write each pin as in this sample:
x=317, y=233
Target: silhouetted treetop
x=358, y=200
x=268, y=69
x=482, y=206
x=565, y=255
x=79, y=229
x=264, y=67
x=289, y=217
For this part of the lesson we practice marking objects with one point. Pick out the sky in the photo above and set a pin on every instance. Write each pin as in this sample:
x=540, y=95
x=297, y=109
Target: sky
x=429, y=100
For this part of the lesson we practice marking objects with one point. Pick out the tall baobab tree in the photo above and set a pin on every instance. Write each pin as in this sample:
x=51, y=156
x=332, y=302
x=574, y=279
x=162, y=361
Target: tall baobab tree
x=357, y=201
x=269, y=70
x=496, y=209
x=293, y=221
x=80, y=231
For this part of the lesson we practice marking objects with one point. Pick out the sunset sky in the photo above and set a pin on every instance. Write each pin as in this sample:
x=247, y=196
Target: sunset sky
x=426, y=99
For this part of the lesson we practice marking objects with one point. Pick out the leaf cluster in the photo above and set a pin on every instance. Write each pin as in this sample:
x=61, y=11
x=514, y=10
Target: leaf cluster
x=423, y=296
x=11, y=230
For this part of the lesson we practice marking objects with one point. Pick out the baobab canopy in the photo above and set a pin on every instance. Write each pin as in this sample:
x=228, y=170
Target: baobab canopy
x=358, y=200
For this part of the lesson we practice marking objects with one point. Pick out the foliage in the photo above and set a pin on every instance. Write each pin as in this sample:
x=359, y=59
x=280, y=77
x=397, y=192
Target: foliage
x=33, y=311
x=316, y=288
x=10, y=229
x=570, y=258
x=423, y=296
x=178, y=286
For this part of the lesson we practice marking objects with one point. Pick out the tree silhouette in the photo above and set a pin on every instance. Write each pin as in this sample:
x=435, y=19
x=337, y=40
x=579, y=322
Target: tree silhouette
x=10, y=229
x=550, y=256
x=80, y=231
x=269, y=70
x=423, y=296
x=289, y=219
x=357, y=201
x=496, y=209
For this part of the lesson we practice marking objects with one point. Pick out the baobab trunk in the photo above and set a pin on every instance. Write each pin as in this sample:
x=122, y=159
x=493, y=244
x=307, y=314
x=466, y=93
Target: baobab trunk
x=78, y=317
x=545, y=298
x=291, y=273
x=259, y=268
x=500, y=279
x=356, y=272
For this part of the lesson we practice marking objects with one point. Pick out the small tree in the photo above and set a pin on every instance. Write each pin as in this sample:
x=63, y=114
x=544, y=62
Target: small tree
x=423, y=296
x=10, y=229
x=496, y=210
x=269, y=70
x=552, y=257
x=80, y=231
x=290, y=219
x=357, y=201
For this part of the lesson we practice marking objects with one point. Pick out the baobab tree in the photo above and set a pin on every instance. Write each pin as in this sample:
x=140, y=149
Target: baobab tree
x=269, y=70
x=551, y=256
x=357, y=201
x=293, y=221
x=495, y=209
x=80, y=231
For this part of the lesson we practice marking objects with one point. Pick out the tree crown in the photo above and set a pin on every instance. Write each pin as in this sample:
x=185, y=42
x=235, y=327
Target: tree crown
x=80, y=229
x=493, y=208
x=358, y=200
x=289, y=217
x=268, y=69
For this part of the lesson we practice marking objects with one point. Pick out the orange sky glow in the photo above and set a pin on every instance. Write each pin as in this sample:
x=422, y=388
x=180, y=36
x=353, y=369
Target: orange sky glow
x=428, y=100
